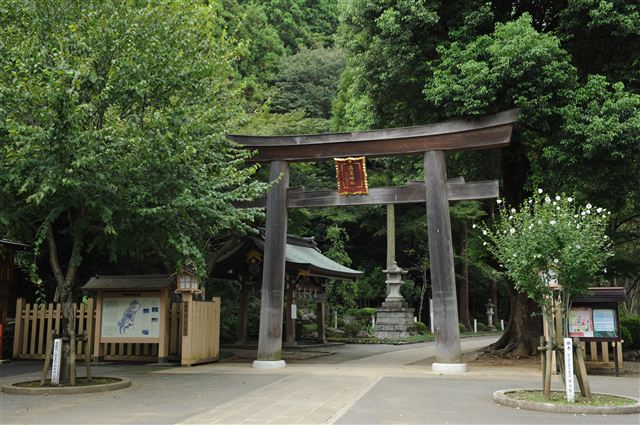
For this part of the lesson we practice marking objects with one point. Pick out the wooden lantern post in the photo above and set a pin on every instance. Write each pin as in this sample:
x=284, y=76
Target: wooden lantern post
x=188, y=285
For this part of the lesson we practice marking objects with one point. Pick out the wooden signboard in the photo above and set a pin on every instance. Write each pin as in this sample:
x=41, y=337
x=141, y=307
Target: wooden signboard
x=352, y=176
x=131, y=317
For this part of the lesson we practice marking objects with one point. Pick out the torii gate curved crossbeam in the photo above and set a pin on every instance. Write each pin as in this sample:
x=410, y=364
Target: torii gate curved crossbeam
x=492, y=131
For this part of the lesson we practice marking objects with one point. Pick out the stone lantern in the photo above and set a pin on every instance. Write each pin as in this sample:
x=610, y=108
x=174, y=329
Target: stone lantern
x=394, y=281
x=394, y=318
x=489, y=312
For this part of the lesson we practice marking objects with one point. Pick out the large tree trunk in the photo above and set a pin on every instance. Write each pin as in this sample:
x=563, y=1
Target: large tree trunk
x=521, y=336
x=520, y=339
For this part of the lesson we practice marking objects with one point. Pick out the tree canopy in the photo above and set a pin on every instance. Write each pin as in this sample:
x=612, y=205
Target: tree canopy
x=113, y=117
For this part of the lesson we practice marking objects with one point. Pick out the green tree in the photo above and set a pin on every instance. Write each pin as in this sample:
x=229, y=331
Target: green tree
x=598, y=151
x=302, y=23
x=603, y=38
x=112, y=120
x=308, y=81
x=549, y=242
x=464, y=214
x=473, y=58
x=341, y=295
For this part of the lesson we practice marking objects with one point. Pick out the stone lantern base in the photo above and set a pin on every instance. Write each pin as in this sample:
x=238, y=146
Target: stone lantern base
x=394, y=320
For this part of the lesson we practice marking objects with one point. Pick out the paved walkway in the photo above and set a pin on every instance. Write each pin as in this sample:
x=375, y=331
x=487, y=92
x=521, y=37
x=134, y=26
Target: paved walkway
x=359, y=384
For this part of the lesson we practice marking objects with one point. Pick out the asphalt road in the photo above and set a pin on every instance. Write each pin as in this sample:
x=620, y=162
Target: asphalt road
x=372, y=384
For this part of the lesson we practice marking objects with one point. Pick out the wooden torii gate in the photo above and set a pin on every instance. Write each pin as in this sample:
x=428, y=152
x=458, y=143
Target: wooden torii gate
x=432, y=141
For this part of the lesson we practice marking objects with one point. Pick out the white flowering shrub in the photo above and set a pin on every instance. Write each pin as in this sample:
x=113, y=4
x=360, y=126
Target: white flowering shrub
x=548, y=240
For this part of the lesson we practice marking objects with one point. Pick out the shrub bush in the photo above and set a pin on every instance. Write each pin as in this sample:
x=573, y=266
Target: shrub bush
x=481, y=327
x=362, y=313
x=361, y=319
x=421, y=328
x=352, y=329
x=632, y=325
x=309, y=329
x=626, y=337
x=462, y=327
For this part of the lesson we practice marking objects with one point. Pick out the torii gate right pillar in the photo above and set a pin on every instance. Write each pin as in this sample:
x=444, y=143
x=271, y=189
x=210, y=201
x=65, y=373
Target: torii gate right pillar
x=445, y=305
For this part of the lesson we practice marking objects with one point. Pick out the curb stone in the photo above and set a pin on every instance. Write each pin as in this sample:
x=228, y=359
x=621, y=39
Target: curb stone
x=13, y=389
x=502, y=397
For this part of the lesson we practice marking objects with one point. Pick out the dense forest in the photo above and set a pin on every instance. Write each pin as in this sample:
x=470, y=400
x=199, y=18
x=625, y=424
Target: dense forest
x=113, y=116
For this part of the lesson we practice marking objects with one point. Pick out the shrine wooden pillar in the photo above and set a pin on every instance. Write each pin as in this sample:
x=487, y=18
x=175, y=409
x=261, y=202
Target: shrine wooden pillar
x=242, y=316
x=270, y=338
x=445, y=305
x=320, y=319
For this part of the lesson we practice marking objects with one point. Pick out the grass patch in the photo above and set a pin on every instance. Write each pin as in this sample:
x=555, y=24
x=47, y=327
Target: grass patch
x=560, y=399
x=80, y=382
x=483, y=333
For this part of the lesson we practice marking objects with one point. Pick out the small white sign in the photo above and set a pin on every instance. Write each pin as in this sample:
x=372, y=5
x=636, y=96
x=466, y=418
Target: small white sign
x=431, y=316
x=294, y=311
x=55, y=362
x=568, y=369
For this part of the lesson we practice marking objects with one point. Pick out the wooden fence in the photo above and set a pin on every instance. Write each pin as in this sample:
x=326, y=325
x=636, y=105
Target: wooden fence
x=598, y=356
x=34, y=323
x=200, y=337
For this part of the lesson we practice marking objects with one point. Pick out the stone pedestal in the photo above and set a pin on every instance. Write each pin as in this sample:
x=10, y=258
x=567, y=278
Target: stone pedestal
x=394, y=318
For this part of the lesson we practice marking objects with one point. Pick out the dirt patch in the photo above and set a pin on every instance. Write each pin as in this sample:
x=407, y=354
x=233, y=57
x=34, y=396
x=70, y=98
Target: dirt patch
x=488, y=359
x=560, y=398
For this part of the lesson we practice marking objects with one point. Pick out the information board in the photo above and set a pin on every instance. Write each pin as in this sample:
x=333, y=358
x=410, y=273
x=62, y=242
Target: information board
x=131, y=317
x=580, y=322
x=604, y=323
x=589, y=322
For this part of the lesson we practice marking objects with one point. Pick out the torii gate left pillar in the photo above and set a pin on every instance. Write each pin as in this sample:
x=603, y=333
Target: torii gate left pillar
x=431, y=141
x=272, y=294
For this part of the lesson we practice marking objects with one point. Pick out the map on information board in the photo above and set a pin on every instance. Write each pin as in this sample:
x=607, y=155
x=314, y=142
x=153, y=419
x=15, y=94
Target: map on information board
x=131, y=317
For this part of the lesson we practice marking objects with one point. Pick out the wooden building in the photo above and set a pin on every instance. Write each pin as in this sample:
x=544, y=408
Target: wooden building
x=306, y=273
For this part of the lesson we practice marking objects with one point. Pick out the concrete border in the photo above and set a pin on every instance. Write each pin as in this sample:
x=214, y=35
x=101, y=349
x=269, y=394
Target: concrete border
x=13, y=389
x=269, y=364
x=502, y=397
x=449, y=367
